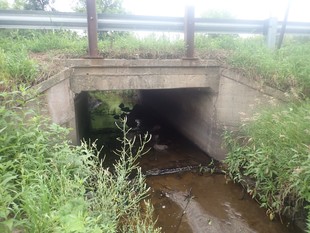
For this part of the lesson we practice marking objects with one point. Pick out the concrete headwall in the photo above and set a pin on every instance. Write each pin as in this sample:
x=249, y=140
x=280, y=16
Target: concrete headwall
x=197, y=97
x=62, y=91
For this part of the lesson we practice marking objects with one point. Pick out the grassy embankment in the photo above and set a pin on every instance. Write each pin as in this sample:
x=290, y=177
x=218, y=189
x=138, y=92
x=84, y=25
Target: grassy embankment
x=29, y=56
x=272, y=148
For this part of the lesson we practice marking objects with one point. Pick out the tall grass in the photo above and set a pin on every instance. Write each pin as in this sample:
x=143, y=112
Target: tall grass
x=273, y=151
x=286, y=69
x=47, y=185
x=63, y=42
x=150, y=47
x=16, y=68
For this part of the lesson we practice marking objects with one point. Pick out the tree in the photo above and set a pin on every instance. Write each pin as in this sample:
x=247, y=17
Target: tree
x=43, y=5
x=102, y=6
x=39, y=5
x=4, y=4
x=218, y=14
x=19, y=5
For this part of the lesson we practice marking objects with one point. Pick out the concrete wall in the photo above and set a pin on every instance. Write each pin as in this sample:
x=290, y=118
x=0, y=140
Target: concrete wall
x=202, y=114
x=82, y=115
x=63, y=90
x=240, y=98
x=192, y=112
x=196, y=97
x=144, y=74
x=60, y=102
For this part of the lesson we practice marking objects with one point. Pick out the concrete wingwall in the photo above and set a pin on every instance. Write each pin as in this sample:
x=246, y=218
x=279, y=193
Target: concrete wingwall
x=57, y=102
x=201, y=109
x=239, y=98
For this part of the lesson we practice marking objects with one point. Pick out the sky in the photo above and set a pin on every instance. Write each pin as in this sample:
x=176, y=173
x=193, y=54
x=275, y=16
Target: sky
x=240, y=9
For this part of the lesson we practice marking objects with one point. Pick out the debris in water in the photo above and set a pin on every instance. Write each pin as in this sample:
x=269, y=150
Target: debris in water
x=160, y=147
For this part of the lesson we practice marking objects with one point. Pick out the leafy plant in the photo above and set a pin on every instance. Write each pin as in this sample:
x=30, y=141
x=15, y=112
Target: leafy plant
x=47, y=185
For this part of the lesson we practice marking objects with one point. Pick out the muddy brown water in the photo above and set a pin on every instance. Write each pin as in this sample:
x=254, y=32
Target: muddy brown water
x=192, y=202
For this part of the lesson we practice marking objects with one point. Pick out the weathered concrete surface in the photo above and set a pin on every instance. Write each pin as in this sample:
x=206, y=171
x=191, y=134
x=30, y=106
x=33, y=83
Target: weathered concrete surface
x=202, y=114
x=192, y=112
x=198, y=97
x=143, y=74
x=239, y=98
x=140, y=63
x=52, y=81
x=60, y=105
x=62, y=90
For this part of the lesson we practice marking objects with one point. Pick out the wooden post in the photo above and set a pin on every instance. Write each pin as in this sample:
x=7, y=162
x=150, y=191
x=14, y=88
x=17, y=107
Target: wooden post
x=92, y=29
x=284, y=24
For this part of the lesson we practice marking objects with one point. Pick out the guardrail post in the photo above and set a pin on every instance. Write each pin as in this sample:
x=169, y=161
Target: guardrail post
x=189, y=31
x=92, y=29
x=271, y=30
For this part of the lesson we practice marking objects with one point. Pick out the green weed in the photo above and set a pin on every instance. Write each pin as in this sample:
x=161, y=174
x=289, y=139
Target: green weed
x=274, y=153
x=17, y=68
x=47, y=185
x=150, y=47
x=285, y=69
x=64, y=42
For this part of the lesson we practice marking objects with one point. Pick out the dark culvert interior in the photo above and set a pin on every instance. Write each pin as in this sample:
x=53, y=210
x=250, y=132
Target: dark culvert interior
x=186, y=197
x=97, y=111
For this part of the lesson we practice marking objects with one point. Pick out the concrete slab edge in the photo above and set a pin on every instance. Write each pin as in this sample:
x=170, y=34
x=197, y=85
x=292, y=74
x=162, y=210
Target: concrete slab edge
x=140, y=63
x=54, y=80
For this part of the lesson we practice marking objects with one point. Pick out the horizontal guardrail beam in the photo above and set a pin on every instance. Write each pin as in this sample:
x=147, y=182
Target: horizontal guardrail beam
x=72, y=20
x=42, y=20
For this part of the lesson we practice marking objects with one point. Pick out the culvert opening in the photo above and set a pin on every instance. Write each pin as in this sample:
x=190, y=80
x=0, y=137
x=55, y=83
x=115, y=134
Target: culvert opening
x=154, y=111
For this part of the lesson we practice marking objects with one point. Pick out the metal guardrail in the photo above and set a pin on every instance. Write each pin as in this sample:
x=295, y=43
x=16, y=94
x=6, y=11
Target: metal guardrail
x=42, y=20
x=106, y=22
x=68, y=20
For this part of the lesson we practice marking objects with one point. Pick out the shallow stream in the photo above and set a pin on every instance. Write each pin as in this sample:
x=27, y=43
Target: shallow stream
x=202, y=202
